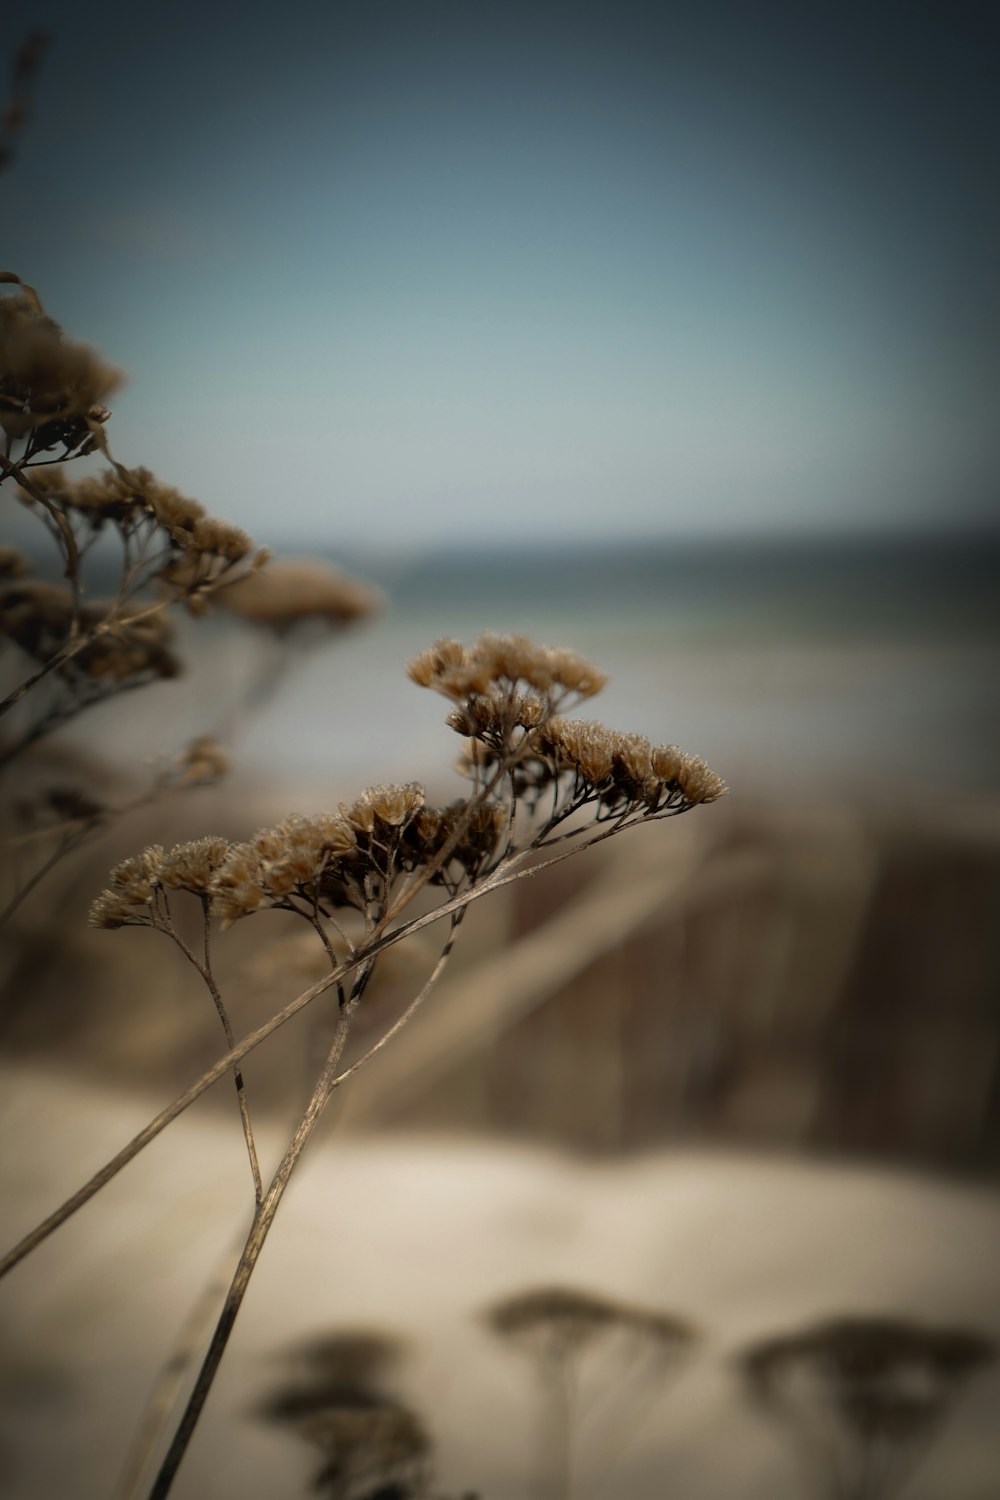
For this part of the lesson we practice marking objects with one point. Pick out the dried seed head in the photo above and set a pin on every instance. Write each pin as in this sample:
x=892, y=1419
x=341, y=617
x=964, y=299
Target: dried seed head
x=391, y=806
x=128, y=901
x=113, y=909
x=46, y=381
x=632, y=767
x=98, y=498
x=237, y=885
x=299, y=856
x=881, y=1379
x=431, y=665
x=477, y=718
x=573, y=672
x=668, y=762
x=560, y=1323
x=529, y=710
x=289, y=592
x=587, y=748
x=549, y=1307
x=425, y=835
x=500, y=662
x=337, y=837
x=201, y=762
x=40, y=616
x=698, y=782
x=193, y=866
x=485, y=825
x=13, y=564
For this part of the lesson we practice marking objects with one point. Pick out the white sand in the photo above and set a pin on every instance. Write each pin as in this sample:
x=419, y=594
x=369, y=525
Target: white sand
x=415, y=1237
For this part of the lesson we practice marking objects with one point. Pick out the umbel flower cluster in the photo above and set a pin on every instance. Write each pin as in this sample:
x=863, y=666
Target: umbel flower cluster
x=166, y=534
x=506, y=691
x=52, y=390
x=541, y=781
x=309, y=865
x=170, y=549
x=864, y=1396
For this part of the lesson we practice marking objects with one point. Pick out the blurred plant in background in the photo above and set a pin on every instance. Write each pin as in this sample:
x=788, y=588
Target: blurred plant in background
x=602, y=1366
x=542, y=785
x=863, y=1398
x=340, y=1401
x=161, y=547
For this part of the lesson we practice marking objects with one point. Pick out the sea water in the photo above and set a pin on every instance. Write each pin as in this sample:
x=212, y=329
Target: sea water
x=803, y=668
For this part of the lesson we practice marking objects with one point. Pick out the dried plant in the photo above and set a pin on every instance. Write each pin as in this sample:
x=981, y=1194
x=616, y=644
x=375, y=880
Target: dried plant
x=162, y=547
x=863, y=1398
x=338, y=1403
x=60, y=818
x=340, y=1400
x=543, y=787
x=584, y=1348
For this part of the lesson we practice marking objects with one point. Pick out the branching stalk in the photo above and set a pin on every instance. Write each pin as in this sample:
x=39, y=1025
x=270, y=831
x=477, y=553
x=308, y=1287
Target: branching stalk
x=223, y=1065
x=263, y=1219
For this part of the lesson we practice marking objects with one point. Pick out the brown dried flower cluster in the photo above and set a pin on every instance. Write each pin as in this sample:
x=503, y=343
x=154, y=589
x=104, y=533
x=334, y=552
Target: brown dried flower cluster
x=128, y=900
x=290, y=592
x=51, y=388
x=865, y=1393
x=40, y=618
x=368, y=860
x=351, y=858
x=332, y=860
x=200, y=763
x=866, y=1364
x=471, y=830
x=590, y=764
x=199, y=545
x=507, y=690
x=307, y=858
x=367, y=1442
x=372, y=1445
x=626, y=769
x=497, y=665
x=13, y=564
x=562, y=1320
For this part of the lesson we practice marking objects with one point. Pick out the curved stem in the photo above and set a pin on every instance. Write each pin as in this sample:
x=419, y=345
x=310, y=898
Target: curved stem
x=65, y=846
x=263, y=1219
x=499, y=878
x=170, y=1380
x=205, y=970
x=241, y=1093
x=414, y=1004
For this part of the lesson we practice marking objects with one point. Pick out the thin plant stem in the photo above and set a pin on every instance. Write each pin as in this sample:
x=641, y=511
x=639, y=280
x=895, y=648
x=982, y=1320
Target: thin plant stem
x=65, y=846
x=501, y=877
x=170, y=1380
x=263, y=1219
x=241, y=1093
x=66, y=533
x=414, y=1004
x=111, y=622
x=205, y=970
x=556, y=1412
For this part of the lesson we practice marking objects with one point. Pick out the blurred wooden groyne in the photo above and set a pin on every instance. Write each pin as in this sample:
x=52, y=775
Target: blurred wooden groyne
x=805, y=978
x=816, y=978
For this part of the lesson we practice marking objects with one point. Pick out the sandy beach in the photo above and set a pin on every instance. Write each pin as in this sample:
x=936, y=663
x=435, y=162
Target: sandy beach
x=414, y=1237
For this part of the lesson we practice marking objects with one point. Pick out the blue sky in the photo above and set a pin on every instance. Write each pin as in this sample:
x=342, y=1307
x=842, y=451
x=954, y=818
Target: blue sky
x=461, y=271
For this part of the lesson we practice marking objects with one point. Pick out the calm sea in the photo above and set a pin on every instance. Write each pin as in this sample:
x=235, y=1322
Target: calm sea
x=809, y=668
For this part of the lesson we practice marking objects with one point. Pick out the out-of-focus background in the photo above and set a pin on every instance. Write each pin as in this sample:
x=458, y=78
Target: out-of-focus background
x=670, y=337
